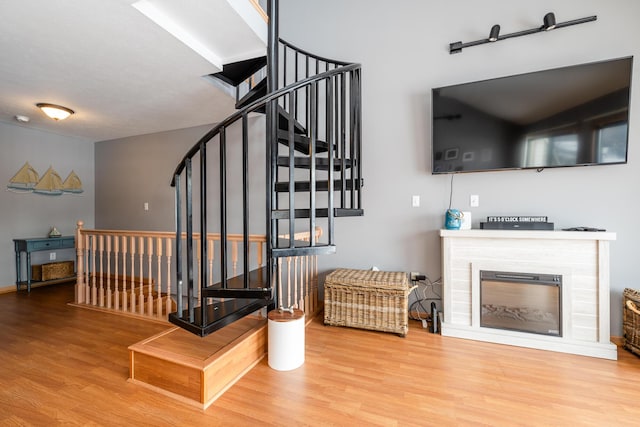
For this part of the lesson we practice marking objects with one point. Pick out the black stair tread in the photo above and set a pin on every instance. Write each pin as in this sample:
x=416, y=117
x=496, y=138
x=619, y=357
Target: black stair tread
x=258, y=286
x=282, y=187
x=320, y=213
x=322, y=163
x=256, y=92
x=285, y=248
x=302, y=143
x=218, y=314
x=321, y=249
x=237, y=72
x=283, y=122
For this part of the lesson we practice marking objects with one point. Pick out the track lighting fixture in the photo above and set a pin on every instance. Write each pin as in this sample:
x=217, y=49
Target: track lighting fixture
x=548, y=24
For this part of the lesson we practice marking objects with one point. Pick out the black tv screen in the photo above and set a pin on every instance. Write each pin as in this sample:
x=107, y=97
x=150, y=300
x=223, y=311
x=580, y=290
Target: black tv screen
x=571, y=116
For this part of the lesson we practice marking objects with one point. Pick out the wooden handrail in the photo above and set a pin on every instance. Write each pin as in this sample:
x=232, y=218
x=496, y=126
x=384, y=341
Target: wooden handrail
x=169, y=234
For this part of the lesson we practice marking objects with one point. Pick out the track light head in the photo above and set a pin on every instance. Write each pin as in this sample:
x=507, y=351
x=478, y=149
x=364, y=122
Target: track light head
x=549, y=21
x=495, y=33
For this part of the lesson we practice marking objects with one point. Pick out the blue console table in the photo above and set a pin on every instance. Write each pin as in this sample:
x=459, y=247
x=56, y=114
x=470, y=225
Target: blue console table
x=37, y=244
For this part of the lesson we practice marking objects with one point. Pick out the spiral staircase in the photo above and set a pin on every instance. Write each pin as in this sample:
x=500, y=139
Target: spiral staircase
x=287, y=161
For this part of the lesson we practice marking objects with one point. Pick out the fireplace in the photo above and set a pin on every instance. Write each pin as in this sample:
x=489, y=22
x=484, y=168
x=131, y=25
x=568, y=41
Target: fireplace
x=565, y=309
x=521, y=302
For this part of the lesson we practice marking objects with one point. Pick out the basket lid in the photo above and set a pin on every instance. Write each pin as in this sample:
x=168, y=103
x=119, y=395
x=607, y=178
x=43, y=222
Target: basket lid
x=378, y=279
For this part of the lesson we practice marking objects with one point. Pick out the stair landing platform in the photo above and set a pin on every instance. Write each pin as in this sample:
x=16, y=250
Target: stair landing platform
x=198, y=370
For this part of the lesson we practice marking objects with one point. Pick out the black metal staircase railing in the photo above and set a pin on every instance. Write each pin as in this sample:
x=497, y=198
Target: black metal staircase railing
x=308, y=152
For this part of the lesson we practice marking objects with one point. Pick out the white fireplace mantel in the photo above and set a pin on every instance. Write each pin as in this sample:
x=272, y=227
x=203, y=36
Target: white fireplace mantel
x=582, y=258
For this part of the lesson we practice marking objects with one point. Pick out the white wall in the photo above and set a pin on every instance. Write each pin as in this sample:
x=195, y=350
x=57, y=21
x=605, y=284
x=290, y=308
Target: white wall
x=33, y=215
x=403, y=48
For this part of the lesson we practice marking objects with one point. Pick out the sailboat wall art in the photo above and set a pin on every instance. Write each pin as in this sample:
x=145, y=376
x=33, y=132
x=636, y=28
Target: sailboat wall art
x=24, y=180
x=27, y=180
x=50, y=183
x=72, y=184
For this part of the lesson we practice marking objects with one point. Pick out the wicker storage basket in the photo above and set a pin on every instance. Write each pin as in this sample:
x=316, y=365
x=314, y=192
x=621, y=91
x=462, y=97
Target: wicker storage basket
x=52, y=271
x=375, y=300
x=631, y=320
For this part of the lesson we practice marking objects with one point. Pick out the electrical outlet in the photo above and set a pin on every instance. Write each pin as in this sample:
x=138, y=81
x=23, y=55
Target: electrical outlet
x=52, y=256
x=146, y=206
x=415, y=201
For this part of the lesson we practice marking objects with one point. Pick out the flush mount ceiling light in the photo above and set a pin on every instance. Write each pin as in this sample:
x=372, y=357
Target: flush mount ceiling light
x=56, y=112
x=548, y=24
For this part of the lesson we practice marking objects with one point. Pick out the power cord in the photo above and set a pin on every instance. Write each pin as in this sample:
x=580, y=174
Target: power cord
x=424, y=284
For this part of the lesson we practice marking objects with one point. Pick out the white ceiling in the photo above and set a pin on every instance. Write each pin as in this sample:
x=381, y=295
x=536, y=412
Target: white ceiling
x=116, y=68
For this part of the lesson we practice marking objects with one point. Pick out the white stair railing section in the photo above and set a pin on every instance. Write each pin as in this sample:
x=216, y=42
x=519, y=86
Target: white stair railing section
x=297, y=279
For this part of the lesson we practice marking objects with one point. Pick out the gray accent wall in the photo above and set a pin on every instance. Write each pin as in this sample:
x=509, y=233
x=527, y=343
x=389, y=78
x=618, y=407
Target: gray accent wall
x=137, y=170
x=403, y=48
x=25, y=215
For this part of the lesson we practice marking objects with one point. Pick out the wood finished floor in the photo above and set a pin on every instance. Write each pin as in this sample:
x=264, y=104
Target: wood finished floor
x=62, y=365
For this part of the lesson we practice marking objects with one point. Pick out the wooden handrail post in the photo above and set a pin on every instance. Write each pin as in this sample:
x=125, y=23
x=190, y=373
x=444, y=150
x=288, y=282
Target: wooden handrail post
x=80, y=291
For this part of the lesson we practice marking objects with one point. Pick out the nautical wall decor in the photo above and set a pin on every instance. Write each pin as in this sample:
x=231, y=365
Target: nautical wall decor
x=27, y=180
x=24, y=180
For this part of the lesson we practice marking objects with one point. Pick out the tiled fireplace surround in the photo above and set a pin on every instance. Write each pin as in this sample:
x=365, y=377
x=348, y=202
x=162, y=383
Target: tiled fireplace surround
x=582, y=258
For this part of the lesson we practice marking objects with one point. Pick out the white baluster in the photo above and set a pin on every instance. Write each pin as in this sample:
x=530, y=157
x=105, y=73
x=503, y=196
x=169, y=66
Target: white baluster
x=150, y=284
x=211, y=257
x=87, y=270
x=108, y=258
x=101, y=273
x=94, y=291
x=169, y=249
x=141, y=272
x=116, y=249
x=132, y=275
x=159, y=313
x=125, y=296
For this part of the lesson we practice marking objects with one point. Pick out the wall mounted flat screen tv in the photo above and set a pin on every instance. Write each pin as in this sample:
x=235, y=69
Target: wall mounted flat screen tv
x=571, y=116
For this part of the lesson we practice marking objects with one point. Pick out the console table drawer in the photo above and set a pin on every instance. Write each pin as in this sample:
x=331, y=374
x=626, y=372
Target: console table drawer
x=51, y=243
x=37, y=246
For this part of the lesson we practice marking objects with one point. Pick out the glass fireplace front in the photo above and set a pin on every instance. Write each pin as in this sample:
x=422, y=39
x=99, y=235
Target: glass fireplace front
x=522, y=302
